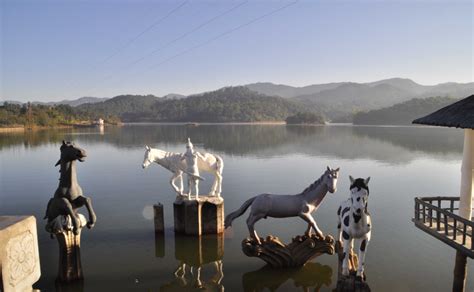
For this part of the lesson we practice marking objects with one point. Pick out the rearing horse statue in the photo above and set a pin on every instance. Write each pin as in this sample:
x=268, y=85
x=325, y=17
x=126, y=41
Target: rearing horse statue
x=283, y=206
x=68, y=196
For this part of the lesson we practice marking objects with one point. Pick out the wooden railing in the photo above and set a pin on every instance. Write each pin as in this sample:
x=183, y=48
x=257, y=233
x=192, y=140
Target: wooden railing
x=435, y=215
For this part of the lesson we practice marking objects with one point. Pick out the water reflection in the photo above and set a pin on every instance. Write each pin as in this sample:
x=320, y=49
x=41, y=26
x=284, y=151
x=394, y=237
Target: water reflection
x=194, y=255
x=388, y=144
x=311, y=276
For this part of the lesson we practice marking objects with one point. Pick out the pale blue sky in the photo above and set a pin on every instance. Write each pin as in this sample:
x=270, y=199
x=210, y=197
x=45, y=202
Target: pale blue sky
x=53, y=50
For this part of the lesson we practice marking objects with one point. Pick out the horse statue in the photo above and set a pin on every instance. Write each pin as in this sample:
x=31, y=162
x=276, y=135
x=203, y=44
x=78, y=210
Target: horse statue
x=175, y=163
x=68, y=196
x=282, y=206
x=357, y=224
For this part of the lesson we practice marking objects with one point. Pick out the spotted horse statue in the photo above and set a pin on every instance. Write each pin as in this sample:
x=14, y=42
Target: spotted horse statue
x=354, y=224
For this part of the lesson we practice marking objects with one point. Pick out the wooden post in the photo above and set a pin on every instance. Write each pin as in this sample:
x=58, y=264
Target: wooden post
x=159, y=218
x=460, y=270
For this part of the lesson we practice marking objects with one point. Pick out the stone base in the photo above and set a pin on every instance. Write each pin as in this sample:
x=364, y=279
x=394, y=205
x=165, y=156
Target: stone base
x=295, y=254
x=19, y=256
x=351, y=282
x=197, y=217
x=70, y=267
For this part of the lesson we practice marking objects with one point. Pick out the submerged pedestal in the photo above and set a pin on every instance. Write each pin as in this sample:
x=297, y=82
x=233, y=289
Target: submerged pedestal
x=197, y=217
x=70, y=266
x=295, y=254
x=19, y=256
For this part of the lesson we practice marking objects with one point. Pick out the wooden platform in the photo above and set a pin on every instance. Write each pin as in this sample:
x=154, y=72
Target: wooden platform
x=436, y=216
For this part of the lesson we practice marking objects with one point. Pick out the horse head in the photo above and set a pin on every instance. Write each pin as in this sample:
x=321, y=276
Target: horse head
x=148, y=159
x=359, y=194
x=330, y=179
x=70, y=152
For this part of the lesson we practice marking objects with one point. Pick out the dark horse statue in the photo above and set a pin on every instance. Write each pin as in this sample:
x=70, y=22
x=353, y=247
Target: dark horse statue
x=68, y=196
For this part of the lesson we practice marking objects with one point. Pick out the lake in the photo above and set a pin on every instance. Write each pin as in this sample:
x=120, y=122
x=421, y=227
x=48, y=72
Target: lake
x=122, y=254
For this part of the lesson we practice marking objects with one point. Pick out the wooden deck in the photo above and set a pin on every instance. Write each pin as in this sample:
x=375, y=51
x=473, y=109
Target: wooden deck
x=436, y=216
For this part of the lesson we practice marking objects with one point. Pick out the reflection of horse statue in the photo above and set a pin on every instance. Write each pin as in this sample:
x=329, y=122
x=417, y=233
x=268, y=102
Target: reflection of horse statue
x=174, y=162
x=195, y=274
x=309, y=276
x=194, y=255
x=281, y=206
x=68, y=196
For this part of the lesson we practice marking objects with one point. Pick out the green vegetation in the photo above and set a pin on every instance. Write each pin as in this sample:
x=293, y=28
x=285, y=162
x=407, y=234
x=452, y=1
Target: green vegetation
x=230, y=104
x=402, y=113
x=305, y=118
x=28, y=115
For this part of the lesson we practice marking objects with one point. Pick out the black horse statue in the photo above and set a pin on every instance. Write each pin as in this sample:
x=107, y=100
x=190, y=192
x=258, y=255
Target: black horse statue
x=68, y=196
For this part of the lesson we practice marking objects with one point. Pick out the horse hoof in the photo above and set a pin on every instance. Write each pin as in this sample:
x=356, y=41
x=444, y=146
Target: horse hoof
x=75, y=231
x=90, y=225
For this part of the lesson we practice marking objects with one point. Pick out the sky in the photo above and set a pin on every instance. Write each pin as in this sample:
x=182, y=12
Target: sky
x=54, y=50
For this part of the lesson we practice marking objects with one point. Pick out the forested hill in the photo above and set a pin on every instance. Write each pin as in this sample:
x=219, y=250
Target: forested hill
x=230, y=104
x=402, y=113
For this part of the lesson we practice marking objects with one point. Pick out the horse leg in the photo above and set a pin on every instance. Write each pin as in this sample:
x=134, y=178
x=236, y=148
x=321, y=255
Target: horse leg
x=219, y=183
x=214, y=187
x=172, y=179
x=68, y=210
x=251, y=220
x=181, y=185
x=308, y=218
x=363, y=242
x=189, y=186
x=81, y=201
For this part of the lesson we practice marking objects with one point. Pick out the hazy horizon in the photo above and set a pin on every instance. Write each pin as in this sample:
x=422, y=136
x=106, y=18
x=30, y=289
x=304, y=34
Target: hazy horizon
x=53, y=51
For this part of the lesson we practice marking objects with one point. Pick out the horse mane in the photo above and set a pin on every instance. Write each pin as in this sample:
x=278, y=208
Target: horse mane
x=314, y=185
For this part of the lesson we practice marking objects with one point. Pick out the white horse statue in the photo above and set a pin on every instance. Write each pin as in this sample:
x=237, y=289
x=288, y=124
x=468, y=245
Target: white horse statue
x=356, y=223
x=282, y=206
x=175, y=163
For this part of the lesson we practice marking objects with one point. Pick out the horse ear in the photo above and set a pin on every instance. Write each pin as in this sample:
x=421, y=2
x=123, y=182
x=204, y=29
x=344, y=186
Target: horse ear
x=64, y=142
x=147, y=147
x=351, y=179
x=337, y=169
x=328, y=168
x=367, y=180
x=57, y=163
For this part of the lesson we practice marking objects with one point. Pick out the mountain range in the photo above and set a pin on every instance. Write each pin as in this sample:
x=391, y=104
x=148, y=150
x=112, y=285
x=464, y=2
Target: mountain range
x=338, y=101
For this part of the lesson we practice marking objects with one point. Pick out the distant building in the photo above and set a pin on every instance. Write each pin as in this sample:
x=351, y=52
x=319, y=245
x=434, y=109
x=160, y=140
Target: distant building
x=99, y=122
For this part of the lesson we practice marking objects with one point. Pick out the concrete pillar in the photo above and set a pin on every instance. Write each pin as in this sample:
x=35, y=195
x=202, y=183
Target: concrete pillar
x=467, y=168
x=19, y=255
x=205, y=216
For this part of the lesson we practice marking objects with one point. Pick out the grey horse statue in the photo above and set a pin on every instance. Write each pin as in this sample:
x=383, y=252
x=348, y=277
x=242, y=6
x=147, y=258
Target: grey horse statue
x=283, y=206
x=68, y=196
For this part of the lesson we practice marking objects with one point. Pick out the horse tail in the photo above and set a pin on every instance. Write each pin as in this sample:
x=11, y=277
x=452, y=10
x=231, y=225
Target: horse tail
x=47, y=208
x=237, y=213
x=219, y=164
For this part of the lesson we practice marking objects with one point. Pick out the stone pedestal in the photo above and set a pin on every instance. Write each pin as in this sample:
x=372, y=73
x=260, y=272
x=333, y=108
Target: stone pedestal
x=197, y=217
x=351, y=282
x=70, y=267
x=19, y=256
x=295, y=254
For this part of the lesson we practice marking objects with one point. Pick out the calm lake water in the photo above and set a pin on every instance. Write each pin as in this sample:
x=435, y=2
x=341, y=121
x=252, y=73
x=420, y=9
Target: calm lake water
x=122, y=254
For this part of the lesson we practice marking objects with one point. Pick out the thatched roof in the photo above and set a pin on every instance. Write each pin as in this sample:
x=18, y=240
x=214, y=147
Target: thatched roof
x=459, y=114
